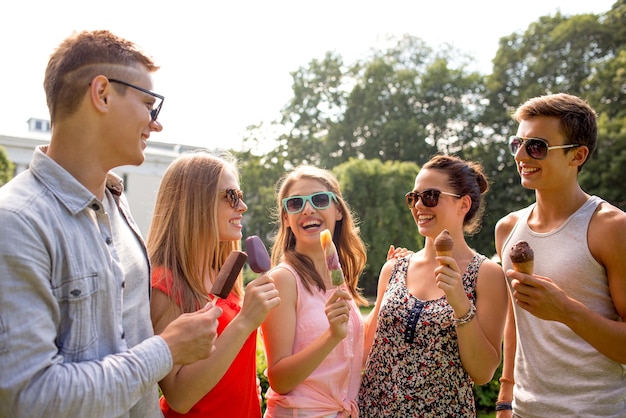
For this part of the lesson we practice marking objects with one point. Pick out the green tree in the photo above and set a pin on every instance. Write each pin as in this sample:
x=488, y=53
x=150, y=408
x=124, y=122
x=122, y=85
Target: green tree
x=581, y=55
x=375, y=192
x=603, y=173
x=258, y=179
x=318, y=100
x=6, y=167
x=407, y=104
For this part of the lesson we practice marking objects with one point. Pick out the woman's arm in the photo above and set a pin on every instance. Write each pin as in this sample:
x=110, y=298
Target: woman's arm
x=286, y=369
x=372, y=319
x=184, y=386
x=480, y=340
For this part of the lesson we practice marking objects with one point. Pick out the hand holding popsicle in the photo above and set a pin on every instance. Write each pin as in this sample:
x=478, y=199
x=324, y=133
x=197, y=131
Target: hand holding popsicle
x=332, y=258
x=261, y=295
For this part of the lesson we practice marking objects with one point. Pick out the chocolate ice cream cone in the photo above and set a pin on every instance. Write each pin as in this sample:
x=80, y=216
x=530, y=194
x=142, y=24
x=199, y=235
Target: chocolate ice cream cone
x=522, y=257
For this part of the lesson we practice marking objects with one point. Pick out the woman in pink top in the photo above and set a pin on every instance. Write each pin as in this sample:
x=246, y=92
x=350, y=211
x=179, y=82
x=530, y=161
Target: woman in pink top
x=314, y=338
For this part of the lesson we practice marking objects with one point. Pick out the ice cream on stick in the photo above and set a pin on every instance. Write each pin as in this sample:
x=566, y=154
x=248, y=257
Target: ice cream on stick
x=522, y=257
x=228, y=274
x=444, y=244
x=332, y=258
x=258, y=258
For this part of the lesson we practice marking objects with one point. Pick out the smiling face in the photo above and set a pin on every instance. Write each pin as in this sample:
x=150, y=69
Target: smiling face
x=131, y=123
x=308, y=223
x=229, y=218
x=446, y=214
x=550, y=173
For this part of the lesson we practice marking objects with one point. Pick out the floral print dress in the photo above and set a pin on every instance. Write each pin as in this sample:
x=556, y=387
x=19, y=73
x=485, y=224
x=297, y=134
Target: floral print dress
x=414, y=368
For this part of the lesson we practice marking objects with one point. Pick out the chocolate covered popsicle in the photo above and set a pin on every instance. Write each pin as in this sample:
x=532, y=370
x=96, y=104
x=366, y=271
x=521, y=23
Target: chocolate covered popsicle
x=332, y=258
x=228, y=274
x=522, y=257
x=258, y=258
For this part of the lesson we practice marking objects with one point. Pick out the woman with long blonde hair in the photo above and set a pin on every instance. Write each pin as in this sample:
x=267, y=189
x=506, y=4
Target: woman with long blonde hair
x=195, y=225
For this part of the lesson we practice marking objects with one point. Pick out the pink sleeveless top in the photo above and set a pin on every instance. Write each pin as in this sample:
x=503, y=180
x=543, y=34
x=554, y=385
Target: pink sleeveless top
x=331, y=389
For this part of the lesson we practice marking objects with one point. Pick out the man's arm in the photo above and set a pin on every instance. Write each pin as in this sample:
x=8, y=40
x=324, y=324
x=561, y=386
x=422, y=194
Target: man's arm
x=503, y=229
x=38, y=376
x=542, y=298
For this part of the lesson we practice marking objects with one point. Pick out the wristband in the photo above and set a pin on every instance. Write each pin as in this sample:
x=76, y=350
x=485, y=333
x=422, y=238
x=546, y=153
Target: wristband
x=506, y=380
x=504, y=406
x=467, y=318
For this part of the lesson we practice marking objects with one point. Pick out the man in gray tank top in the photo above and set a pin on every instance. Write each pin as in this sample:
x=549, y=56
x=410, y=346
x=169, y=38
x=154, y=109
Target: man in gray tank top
x=564, y=340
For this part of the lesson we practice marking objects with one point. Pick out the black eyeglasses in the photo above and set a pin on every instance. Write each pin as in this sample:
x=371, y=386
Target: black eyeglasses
x=233, y=196
x=430, y=198
x=536, y=148
x=154, y=112
x=319, y=200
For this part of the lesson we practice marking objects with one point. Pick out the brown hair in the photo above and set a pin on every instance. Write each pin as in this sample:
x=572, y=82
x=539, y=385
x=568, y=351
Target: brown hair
x=83, y=56
x=350, y=247
x=579, y=123
x=183, y=237
x=465, y=178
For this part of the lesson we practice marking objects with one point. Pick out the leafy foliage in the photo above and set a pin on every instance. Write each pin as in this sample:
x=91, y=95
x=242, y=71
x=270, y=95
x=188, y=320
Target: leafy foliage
x=6, y=167
x=375, y=192
x=376, y=121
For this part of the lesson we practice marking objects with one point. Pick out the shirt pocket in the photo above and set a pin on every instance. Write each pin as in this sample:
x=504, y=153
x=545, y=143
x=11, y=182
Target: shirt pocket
x=76, y=297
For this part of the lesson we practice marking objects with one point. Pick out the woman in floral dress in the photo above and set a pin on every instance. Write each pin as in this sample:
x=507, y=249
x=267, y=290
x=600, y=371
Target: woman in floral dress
x=437, y=325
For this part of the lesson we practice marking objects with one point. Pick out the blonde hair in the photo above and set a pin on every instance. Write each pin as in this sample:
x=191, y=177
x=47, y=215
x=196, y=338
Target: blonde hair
x=350, y=247
x=183, y=237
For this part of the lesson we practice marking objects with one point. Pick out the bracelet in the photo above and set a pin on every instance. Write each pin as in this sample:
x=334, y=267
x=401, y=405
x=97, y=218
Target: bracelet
x=467, y=318
x=504, y=406
x=506, y=380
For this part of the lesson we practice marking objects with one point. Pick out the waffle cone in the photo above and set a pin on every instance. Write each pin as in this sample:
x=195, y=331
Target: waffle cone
x=525, y=267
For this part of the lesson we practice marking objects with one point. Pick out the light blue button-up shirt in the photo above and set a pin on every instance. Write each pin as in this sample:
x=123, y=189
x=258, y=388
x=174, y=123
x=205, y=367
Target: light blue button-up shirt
x=63, y=348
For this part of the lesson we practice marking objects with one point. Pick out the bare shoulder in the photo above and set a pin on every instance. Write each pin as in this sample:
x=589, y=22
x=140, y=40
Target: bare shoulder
x=506, y=223
x=491, y=274
x=607, y=230
x=284, y=281
x=384, y=276
x=491, y=268
x=504, y=227
x=387, y=268
x=283, y=274
x=609, y=216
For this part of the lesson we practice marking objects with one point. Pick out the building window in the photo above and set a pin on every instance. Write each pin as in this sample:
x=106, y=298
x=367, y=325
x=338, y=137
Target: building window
x=38, y=125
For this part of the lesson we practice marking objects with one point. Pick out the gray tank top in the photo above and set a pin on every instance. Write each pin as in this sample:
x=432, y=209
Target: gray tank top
x=557, y=373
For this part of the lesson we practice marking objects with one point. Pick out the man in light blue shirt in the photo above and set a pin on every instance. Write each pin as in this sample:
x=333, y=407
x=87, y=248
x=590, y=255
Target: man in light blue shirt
x=75, y=331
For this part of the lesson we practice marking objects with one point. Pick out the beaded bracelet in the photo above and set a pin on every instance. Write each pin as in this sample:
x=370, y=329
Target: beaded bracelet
x=506, y=380
x=504, y=406
x=467, y=318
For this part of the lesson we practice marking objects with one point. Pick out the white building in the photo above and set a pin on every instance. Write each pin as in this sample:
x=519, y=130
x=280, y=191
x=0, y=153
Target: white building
x=140, y=183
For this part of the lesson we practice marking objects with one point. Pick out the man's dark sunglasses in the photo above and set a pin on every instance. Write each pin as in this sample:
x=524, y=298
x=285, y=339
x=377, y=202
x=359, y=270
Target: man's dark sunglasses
x=154, y=113
x=536, y=148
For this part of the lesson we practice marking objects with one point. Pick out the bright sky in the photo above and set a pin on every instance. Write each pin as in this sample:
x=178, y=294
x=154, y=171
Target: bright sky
x=226, y=65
